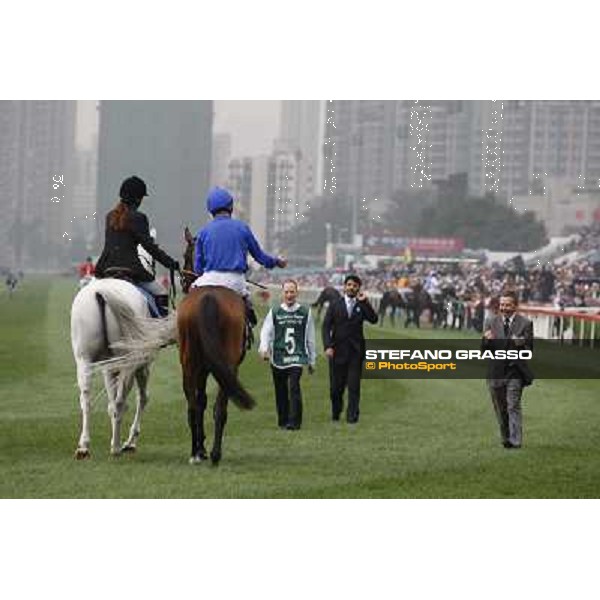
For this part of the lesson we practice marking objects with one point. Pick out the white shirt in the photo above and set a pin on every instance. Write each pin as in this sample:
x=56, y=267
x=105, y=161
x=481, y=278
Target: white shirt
x=350, y=304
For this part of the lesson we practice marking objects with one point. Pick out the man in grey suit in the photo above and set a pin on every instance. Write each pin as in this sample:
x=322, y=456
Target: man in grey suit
x=506, y=378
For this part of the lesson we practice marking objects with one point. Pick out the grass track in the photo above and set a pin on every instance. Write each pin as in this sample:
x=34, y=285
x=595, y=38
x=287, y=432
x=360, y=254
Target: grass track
x=416, y=439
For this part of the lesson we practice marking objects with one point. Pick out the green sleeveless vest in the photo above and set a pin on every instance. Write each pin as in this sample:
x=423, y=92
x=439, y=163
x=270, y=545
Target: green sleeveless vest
x=289, y=340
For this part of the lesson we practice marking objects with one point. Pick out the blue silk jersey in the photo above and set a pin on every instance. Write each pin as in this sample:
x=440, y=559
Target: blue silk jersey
x=224, y=244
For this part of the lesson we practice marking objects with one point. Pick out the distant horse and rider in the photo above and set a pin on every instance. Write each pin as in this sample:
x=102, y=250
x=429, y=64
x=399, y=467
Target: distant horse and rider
x=415, y=301
x=327, y=296
x=11, y=282
x=392, y=301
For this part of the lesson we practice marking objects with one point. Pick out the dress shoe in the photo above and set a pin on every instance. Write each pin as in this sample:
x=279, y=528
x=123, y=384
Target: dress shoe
x=511, y=446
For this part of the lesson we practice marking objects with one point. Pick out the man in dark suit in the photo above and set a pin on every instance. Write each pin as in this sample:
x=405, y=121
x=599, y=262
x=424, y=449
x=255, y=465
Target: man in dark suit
x=344, y=344
x=506, y=378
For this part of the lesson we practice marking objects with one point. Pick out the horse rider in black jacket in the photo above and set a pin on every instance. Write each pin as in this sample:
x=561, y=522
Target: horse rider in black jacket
x=126, y=228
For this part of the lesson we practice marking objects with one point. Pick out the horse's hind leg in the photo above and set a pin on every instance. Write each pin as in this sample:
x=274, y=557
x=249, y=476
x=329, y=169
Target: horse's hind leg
x=141, y=378
x=220, y=415
x=200, y=408
x=195, y=393
x=84, y=380
x=116, y=388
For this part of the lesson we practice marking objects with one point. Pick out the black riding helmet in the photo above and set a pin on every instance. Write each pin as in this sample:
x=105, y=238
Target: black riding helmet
x=133, y=189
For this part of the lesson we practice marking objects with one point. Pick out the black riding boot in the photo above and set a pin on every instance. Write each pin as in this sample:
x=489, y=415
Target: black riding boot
x=250, y=314
x=162, y=303
x=251, y=321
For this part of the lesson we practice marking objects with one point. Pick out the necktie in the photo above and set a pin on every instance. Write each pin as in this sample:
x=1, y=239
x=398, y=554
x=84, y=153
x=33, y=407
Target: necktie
x=350, y=307
x=506, y=327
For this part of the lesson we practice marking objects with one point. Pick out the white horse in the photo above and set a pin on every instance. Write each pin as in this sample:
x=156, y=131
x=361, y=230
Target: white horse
x=105, y=314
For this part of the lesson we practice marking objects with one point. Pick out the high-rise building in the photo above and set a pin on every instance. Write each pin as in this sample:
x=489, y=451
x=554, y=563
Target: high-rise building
x=84, y=196
x=36, y=182
x=359, y=149
x=287, y=200
x=301, y=133
x=535, y=140
x=431, y=142
x=508, y=148
x=248, y=181
x=221, y=155
x=166, y=143
x=267, y=195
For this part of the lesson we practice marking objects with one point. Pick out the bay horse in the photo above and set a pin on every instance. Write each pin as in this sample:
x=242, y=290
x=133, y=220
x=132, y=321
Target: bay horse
x=328, y=295
x=211, y=323
x=393, y=299
x=104, y=313
x=417, y=300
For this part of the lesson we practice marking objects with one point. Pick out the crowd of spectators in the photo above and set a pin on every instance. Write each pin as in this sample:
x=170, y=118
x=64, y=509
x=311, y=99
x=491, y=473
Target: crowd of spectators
x=571, y=279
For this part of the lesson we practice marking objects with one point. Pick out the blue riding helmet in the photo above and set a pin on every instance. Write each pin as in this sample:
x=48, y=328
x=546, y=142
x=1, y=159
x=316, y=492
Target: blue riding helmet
x=219, y=199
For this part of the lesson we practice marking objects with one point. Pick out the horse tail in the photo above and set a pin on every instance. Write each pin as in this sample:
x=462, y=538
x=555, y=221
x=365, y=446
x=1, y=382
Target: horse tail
x=210, y=339
x=103, y=326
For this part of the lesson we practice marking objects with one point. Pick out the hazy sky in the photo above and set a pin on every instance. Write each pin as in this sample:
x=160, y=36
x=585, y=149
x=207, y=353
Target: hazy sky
x=253, y=124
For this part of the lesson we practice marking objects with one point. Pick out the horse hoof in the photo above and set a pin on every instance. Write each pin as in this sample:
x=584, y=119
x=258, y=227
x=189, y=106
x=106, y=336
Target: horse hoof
x=128, y=449
x=196, y=460
x=82, y=454
x=215, y=459
x=115, y=453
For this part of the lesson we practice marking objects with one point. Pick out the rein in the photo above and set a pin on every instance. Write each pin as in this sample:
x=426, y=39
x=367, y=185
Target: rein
x=172, y=289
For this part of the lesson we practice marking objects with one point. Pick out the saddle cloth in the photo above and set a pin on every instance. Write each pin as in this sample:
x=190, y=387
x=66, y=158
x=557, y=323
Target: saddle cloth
x=151, y=302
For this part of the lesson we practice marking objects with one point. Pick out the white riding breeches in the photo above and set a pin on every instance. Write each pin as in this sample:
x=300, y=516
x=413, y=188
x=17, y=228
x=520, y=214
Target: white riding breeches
x=228, y=279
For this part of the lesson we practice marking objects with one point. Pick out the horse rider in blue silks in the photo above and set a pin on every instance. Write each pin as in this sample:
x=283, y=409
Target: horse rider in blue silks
x=222, y=247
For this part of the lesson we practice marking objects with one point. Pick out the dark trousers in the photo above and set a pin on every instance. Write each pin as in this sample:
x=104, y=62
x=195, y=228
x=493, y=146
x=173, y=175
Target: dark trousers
x=288, y=396
x=346, y=374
